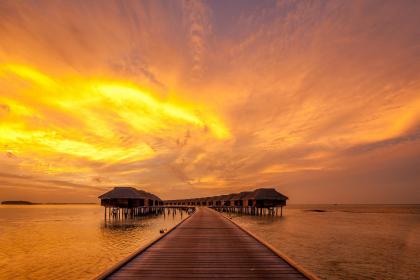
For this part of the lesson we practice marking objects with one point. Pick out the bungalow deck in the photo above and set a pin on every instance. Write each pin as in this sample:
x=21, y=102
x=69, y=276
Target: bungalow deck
x=207, y=246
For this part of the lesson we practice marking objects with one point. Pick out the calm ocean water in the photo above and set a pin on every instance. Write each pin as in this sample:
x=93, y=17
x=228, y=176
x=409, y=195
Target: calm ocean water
x=344, y=242
x=69, y=241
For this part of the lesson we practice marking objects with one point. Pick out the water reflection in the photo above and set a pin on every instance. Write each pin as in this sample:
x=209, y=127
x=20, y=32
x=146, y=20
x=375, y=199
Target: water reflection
x=349, y=241
x=141, y=222
x=71, y=241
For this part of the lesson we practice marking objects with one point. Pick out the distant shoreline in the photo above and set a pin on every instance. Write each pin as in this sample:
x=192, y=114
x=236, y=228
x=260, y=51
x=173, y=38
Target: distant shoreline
x=22, y=202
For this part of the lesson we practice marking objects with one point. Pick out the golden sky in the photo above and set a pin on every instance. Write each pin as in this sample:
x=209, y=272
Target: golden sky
x=199, y=98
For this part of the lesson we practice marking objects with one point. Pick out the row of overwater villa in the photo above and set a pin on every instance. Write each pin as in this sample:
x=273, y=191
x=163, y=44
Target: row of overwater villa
x=258, y=202
x=123, y=202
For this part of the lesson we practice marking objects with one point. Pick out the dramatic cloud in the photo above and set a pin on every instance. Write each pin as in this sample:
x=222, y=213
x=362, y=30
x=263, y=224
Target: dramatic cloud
x=194, y=98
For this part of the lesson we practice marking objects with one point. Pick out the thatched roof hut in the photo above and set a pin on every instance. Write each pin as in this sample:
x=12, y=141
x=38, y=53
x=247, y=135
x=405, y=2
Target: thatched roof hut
x=128, y=197
x=266, y=197
x=122, y=192
x=268, y=193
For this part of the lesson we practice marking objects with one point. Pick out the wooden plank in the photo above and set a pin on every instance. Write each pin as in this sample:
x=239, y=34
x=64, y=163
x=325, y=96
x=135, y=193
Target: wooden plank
x=206, y=246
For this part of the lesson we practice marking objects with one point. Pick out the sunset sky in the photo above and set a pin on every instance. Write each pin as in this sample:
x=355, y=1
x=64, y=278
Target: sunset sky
x=199, y=98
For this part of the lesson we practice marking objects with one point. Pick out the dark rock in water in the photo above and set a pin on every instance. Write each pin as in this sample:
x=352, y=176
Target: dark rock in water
x=17, y=202
x=316, y=210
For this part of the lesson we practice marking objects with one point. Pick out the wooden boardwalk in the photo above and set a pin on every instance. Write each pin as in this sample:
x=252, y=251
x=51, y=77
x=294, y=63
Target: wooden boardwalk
x=206, y=246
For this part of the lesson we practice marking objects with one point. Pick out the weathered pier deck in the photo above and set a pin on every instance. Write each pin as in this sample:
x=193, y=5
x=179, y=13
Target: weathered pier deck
x=206, y=246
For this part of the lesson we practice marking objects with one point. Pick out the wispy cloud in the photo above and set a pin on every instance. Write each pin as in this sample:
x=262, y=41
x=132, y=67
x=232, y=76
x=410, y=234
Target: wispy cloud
x=199, y=97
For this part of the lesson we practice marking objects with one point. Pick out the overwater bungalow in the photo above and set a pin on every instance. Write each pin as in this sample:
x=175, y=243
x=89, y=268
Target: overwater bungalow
x=128, y=197
x=209, y=201
x=206, y=201
x=216, y=201
x=220, y=200
x=124, y=201
x=227, y=199
x=239, y=200
x=258, y=202
x=266, y=197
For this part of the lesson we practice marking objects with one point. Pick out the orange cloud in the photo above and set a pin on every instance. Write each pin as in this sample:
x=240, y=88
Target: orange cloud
x=211, y=97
